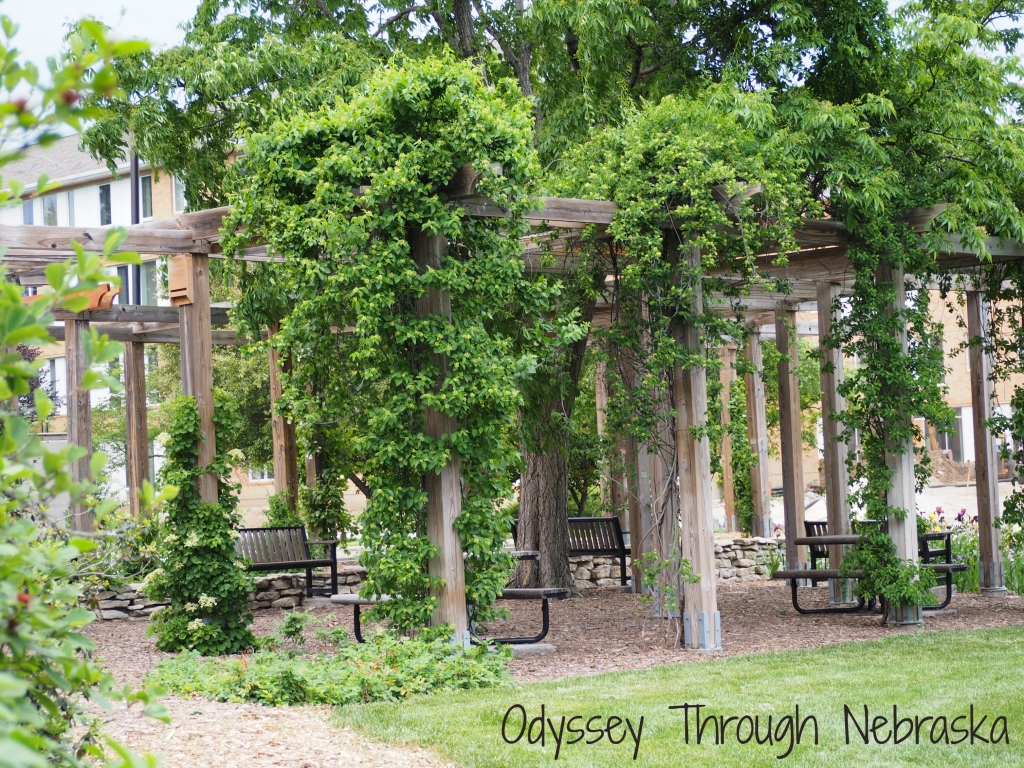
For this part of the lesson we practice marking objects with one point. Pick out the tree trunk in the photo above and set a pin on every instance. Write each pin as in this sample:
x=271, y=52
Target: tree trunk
x=544, y=521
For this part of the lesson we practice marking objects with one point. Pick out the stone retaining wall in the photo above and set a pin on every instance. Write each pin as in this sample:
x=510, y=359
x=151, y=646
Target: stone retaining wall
x=735, y=559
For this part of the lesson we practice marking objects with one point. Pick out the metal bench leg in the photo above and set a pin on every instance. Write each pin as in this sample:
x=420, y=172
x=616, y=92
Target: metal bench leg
x=334, y=569
x=355, y=624
x=622, y=569
x=545, y=616
x=309, y=581
x=806, y=611
x=949, y=595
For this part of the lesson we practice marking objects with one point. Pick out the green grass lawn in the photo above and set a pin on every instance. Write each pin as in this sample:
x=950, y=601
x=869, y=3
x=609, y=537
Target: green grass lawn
x=928, y=674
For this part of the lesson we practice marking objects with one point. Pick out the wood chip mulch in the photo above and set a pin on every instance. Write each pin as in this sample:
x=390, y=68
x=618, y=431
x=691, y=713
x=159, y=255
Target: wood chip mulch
x=602, y=631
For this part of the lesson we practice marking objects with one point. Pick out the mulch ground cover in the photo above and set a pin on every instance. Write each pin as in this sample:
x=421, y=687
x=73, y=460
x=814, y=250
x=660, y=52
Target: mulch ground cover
x=607, y=630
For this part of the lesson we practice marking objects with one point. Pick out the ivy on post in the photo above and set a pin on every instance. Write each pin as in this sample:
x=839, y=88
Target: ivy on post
x=443, y=487
x=189, y=287
x=899, y=457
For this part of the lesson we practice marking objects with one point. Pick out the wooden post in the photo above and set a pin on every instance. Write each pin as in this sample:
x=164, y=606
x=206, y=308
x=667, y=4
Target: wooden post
x=791, y=439
x=197, y=363
x=444, y=489
x=282, y=431
x=837, y=479
x=900, y=461
x=726, y=374
x=990, y=567
x=757, y=434
x=601, y=405
x=641, y=533
x=701, y=621
x=137, y=422
x=79, y=416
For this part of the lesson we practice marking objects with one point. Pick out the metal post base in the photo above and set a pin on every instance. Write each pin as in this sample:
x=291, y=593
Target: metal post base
x=706, y=641
x=905, y=615
x=993, y=591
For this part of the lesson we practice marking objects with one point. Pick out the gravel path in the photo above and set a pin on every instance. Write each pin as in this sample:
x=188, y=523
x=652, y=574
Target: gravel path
x=603, y=631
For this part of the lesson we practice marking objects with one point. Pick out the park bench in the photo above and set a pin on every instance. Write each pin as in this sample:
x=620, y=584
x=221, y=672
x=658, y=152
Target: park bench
x=595, y=537
x=542, y=594
x=939, y=560
x=272, y=549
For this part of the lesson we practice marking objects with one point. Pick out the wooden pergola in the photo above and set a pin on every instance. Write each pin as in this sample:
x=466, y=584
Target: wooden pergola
x=817, y=274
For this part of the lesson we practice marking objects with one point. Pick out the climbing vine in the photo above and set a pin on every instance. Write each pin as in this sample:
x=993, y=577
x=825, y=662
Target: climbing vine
x=200, y=573
x=342, y=194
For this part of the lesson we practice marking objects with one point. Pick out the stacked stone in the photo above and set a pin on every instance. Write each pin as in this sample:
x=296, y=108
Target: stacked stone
x=126, y=602
x=593, y=572
x=744, y=559
x=280, y=590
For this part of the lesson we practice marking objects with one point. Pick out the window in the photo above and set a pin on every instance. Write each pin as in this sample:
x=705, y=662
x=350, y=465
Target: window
x=180, y=204
x=105, y=217
x=261, y=474
x=124, y=275
x=149, y=285
x=50, y=211
x=147, y=196
x=71, y=209
x=27, y=212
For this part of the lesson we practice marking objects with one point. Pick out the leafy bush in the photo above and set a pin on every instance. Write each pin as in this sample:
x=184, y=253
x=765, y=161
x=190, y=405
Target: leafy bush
x=280, y=513
x=386, y=668
x=322, y=508
x=200, y=573
x=895, y=581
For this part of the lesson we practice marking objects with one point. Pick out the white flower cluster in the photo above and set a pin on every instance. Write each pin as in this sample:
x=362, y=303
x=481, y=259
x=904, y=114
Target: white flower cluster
x=154, y=574
x=206, y=601
x=191, y=607
x=170, y=538
x=192, y=540
x=196, y=624
x=236, y=456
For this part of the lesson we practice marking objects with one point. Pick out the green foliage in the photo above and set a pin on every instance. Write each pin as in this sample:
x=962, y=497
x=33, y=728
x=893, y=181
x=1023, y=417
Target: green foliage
x=743, y=458
x=280, y=513
x=586, y=448
x=322, y=508
x=363, y=177
x=896, y=581
x=200, y=573
x=385, y=668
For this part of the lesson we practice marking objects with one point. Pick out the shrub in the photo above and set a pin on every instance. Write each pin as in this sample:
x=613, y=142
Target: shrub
x=200, y=573
x=322, y=508
x=386, y=668
x=280, y=513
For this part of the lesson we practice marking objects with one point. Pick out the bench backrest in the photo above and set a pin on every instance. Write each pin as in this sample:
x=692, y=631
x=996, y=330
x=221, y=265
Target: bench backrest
x=265, y=546
x=817, y=528
x=595, y=536
x=589, y=536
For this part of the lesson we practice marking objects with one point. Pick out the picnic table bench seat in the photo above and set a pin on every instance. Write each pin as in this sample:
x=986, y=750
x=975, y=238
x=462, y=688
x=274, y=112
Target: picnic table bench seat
x=272, y=549
x=543, y=594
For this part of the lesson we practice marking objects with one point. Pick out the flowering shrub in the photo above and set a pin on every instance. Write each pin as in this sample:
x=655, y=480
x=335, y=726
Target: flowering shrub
x=200, y=573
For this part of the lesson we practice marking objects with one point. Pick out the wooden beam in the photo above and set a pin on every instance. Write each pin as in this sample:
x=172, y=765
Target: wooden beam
x=791, y=438
x=990, y=567
x=79, y=416
x=286, y=447
x=197, y=368
x=757, y=434
x=165, y=336
x=701, y=620
x=137, y=465
x=726, y=374
x=49, y=239
x=137, y=313
x=443, y=489
x=837, y=479
x=899, y=458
